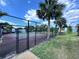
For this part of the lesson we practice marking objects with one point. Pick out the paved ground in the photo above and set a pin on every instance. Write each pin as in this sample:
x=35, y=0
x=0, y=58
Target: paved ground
x=9, y=43
x=26, y=55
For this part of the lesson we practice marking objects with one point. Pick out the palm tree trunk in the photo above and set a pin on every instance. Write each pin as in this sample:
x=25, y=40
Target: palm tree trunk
x=60, y=30
x=48, y=29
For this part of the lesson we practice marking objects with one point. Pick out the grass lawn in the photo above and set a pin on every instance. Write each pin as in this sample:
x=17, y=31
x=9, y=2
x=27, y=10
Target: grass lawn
x=62, y=47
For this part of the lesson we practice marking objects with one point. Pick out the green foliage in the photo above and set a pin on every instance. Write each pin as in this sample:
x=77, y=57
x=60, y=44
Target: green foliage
x=41, y=28
x=7, y=28
x=78, y=29
x=31, y=28
x=61, y=23
x=69, y=29
x=51, y=29
x=50, y=9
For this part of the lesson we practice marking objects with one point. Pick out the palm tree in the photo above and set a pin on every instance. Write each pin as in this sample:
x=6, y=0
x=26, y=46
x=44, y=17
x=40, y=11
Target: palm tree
x=61, y=23
x=58, y=16
x=50, y=9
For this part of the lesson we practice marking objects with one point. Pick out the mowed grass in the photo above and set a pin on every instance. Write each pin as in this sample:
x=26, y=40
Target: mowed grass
x=61, y=47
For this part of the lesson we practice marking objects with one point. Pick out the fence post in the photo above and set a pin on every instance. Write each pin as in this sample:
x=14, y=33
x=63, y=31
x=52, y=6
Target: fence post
x=28, y=35
x=17, y=40
x=35, y=32
x=1, y=31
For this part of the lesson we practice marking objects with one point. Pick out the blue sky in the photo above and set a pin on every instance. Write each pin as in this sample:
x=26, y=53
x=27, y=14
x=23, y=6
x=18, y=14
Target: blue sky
x=27, y=9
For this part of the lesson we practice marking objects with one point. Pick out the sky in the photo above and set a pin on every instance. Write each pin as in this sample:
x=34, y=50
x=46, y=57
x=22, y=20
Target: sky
x=27, y=9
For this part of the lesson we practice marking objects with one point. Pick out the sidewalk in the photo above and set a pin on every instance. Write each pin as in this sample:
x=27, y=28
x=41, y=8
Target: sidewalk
x=26, y=55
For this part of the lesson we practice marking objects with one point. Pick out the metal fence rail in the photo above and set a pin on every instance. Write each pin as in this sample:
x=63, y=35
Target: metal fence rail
x=15, y=41
x=21, y=39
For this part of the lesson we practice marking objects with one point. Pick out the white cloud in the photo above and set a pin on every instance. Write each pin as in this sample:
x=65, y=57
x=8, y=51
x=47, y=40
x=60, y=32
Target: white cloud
x=45, y=22
x=67, y=2
x=11, y=23
x=71, y=12
x=73, y=17
x=3, y=3
x=3, y=21
x=74, y=11
x=31, y=15
x=51, y=23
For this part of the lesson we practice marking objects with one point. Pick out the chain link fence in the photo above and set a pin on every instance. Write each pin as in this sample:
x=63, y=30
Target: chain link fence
x=15, y=39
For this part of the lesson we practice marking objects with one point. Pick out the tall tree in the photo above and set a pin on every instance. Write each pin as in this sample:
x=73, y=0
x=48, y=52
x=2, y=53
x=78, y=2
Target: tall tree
x=50, y=9
x=61, y=23
x=58, y=16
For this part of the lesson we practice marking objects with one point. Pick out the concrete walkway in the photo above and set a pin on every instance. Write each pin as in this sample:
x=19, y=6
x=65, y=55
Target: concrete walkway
x=26, y=55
